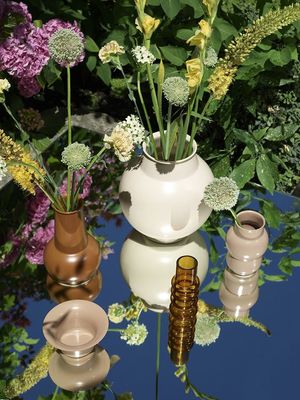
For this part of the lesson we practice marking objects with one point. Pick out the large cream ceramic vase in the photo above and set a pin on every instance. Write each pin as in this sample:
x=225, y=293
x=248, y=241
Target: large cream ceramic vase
x=163, y=199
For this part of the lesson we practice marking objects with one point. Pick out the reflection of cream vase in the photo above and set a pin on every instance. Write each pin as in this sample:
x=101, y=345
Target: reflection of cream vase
x=163, y=199
x=149, y=266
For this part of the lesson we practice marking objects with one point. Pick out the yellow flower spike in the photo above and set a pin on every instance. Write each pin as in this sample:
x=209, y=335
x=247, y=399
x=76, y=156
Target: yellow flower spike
x=239, y=49
x=210, y=5
x=194, y=73
x=147, y=25
x=201, y=35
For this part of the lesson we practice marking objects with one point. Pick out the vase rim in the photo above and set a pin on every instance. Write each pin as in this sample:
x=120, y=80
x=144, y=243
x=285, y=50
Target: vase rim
x=251, y=212
x=156, y=135
x=67, y=212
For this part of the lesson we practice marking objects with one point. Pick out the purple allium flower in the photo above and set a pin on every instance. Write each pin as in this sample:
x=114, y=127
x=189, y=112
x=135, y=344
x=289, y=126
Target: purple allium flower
x=28, y=87
x=34, y=251
x=86, y=188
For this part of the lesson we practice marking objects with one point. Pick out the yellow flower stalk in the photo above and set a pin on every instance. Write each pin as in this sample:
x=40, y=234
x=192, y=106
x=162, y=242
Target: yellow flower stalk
x=194, y=73
x=201, y=35
x=21, y=166
x=239, y=49
x=210, y=5
x=36, y=370
x=147, y=25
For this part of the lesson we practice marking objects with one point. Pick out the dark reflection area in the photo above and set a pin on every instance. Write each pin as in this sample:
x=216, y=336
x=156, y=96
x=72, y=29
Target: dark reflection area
x=242, y=363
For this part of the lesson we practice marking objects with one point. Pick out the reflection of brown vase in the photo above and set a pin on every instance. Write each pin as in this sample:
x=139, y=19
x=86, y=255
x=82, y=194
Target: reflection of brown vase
x=72, y=256
x=87, y=291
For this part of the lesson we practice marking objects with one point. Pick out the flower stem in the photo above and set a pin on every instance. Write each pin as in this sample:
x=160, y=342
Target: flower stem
x=146, y=113
x=168, y=150
x=158, y=337
x=130, y=91
x=69, y=133
x=55, y=393
x=14, y=119
x=115, y=330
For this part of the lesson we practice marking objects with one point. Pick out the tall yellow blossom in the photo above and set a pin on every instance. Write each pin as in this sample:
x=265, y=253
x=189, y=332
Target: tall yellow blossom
x=239, y=49
x=201, y=35
x=194, y=73
x=147, y=25
x=36, y=370
x=210, y=5
x=27, y=176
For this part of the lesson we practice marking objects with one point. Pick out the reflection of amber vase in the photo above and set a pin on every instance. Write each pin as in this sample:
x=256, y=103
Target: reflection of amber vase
x=72, y=256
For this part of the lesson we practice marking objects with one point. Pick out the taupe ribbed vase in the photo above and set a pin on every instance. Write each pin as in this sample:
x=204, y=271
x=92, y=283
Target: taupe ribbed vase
x=72, y=256
x=246, y=243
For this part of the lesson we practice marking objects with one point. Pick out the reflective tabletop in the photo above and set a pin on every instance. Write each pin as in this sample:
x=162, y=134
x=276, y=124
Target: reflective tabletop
x=243, y=363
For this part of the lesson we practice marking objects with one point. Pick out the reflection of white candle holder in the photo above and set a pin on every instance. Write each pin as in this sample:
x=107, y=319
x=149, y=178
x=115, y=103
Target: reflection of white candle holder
x=74, y=328
x=148, y=266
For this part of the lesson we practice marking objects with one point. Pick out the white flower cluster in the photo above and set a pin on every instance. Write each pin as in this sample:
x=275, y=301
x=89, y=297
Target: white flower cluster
x=133, y=126
x=211, y=58
x=3, y=169
x=142, y=55
x=207, y=330
x=221, y=194
x=116, y=313
x=4, y=85
x=134, y=334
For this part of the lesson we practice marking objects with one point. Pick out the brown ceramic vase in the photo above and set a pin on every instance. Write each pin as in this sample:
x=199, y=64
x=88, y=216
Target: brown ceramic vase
x=72, y=256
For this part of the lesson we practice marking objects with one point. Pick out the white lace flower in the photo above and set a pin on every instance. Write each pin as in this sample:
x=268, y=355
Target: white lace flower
x=211, y=58
x=207, y=330
x=142, y=55
x=134, y=334
x=4, y=85
x=116, y=313
x=133, y=126
x=3, y=169
x=221, y=194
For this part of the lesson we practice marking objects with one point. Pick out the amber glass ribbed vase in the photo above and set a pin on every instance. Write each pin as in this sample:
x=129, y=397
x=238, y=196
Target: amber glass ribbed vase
x=183, y=309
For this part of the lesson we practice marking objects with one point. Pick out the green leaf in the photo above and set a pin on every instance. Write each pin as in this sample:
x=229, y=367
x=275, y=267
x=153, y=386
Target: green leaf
x=175, y=55
x=285, y=266
x=8, y=302
x=281, y=57
x=196, y=5
x=244, y=172
x=225, y=29
x=91, y=45
x=245, y=137
x=281, y=132
x=184, y=34
x=214, y=255
x=272, y=214
x=91, y=63
x=275, y=278
x=264, y=167
x=41, y=144
x=31, y=341
x=51, y=73
x=171, y=7
x=221, y=167
x=104, y=73
x=19, y=347
x=295, y=263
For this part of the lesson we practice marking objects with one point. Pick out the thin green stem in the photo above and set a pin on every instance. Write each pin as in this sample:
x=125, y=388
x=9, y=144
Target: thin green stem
x=158, y=337
x=69, y=133
x=156, y=108
x=168, y=150
x=115, y=330
x=130, y=91
x=146, y=114
x=9, y=112
x=55, y=393
x=235, y=217
x=72, y=189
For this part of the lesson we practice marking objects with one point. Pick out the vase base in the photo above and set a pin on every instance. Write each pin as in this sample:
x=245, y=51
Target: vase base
x=60, y=292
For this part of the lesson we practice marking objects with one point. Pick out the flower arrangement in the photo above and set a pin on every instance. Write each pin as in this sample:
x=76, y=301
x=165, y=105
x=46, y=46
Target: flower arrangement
x=65, y=46
x=192, y=94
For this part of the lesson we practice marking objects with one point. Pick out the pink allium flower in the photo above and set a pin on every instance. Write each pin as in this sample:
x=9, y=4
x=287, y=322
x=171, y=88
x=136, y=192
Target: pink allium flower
x=34, y=251
x=28, y=87
x=86, y=184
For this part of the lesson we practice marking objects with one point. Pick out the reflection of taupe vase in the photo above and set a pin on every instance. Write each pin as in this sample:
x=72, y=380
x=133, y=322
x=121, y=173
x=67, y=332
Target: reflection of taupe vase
x=72, y=256
x=246, y=245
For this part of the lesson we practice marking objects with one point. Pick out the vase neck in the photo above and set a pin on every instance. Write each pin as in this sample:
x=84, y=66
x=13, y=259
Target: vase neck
x=70, y=233
x=251, y=224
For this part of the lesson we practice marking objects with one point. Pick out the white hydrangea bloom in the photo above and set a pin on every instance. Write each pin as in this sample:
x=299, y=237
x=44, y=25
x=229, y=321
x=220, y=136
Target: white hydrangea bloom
x=3, y=169
x=4, y=85
x=142, y=55
x=134, y=334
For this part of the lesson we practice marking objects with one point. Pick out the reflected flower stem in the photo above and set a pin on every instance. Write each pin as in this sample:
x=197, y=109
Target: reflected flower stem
x=158, y=337
x=55, y=393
